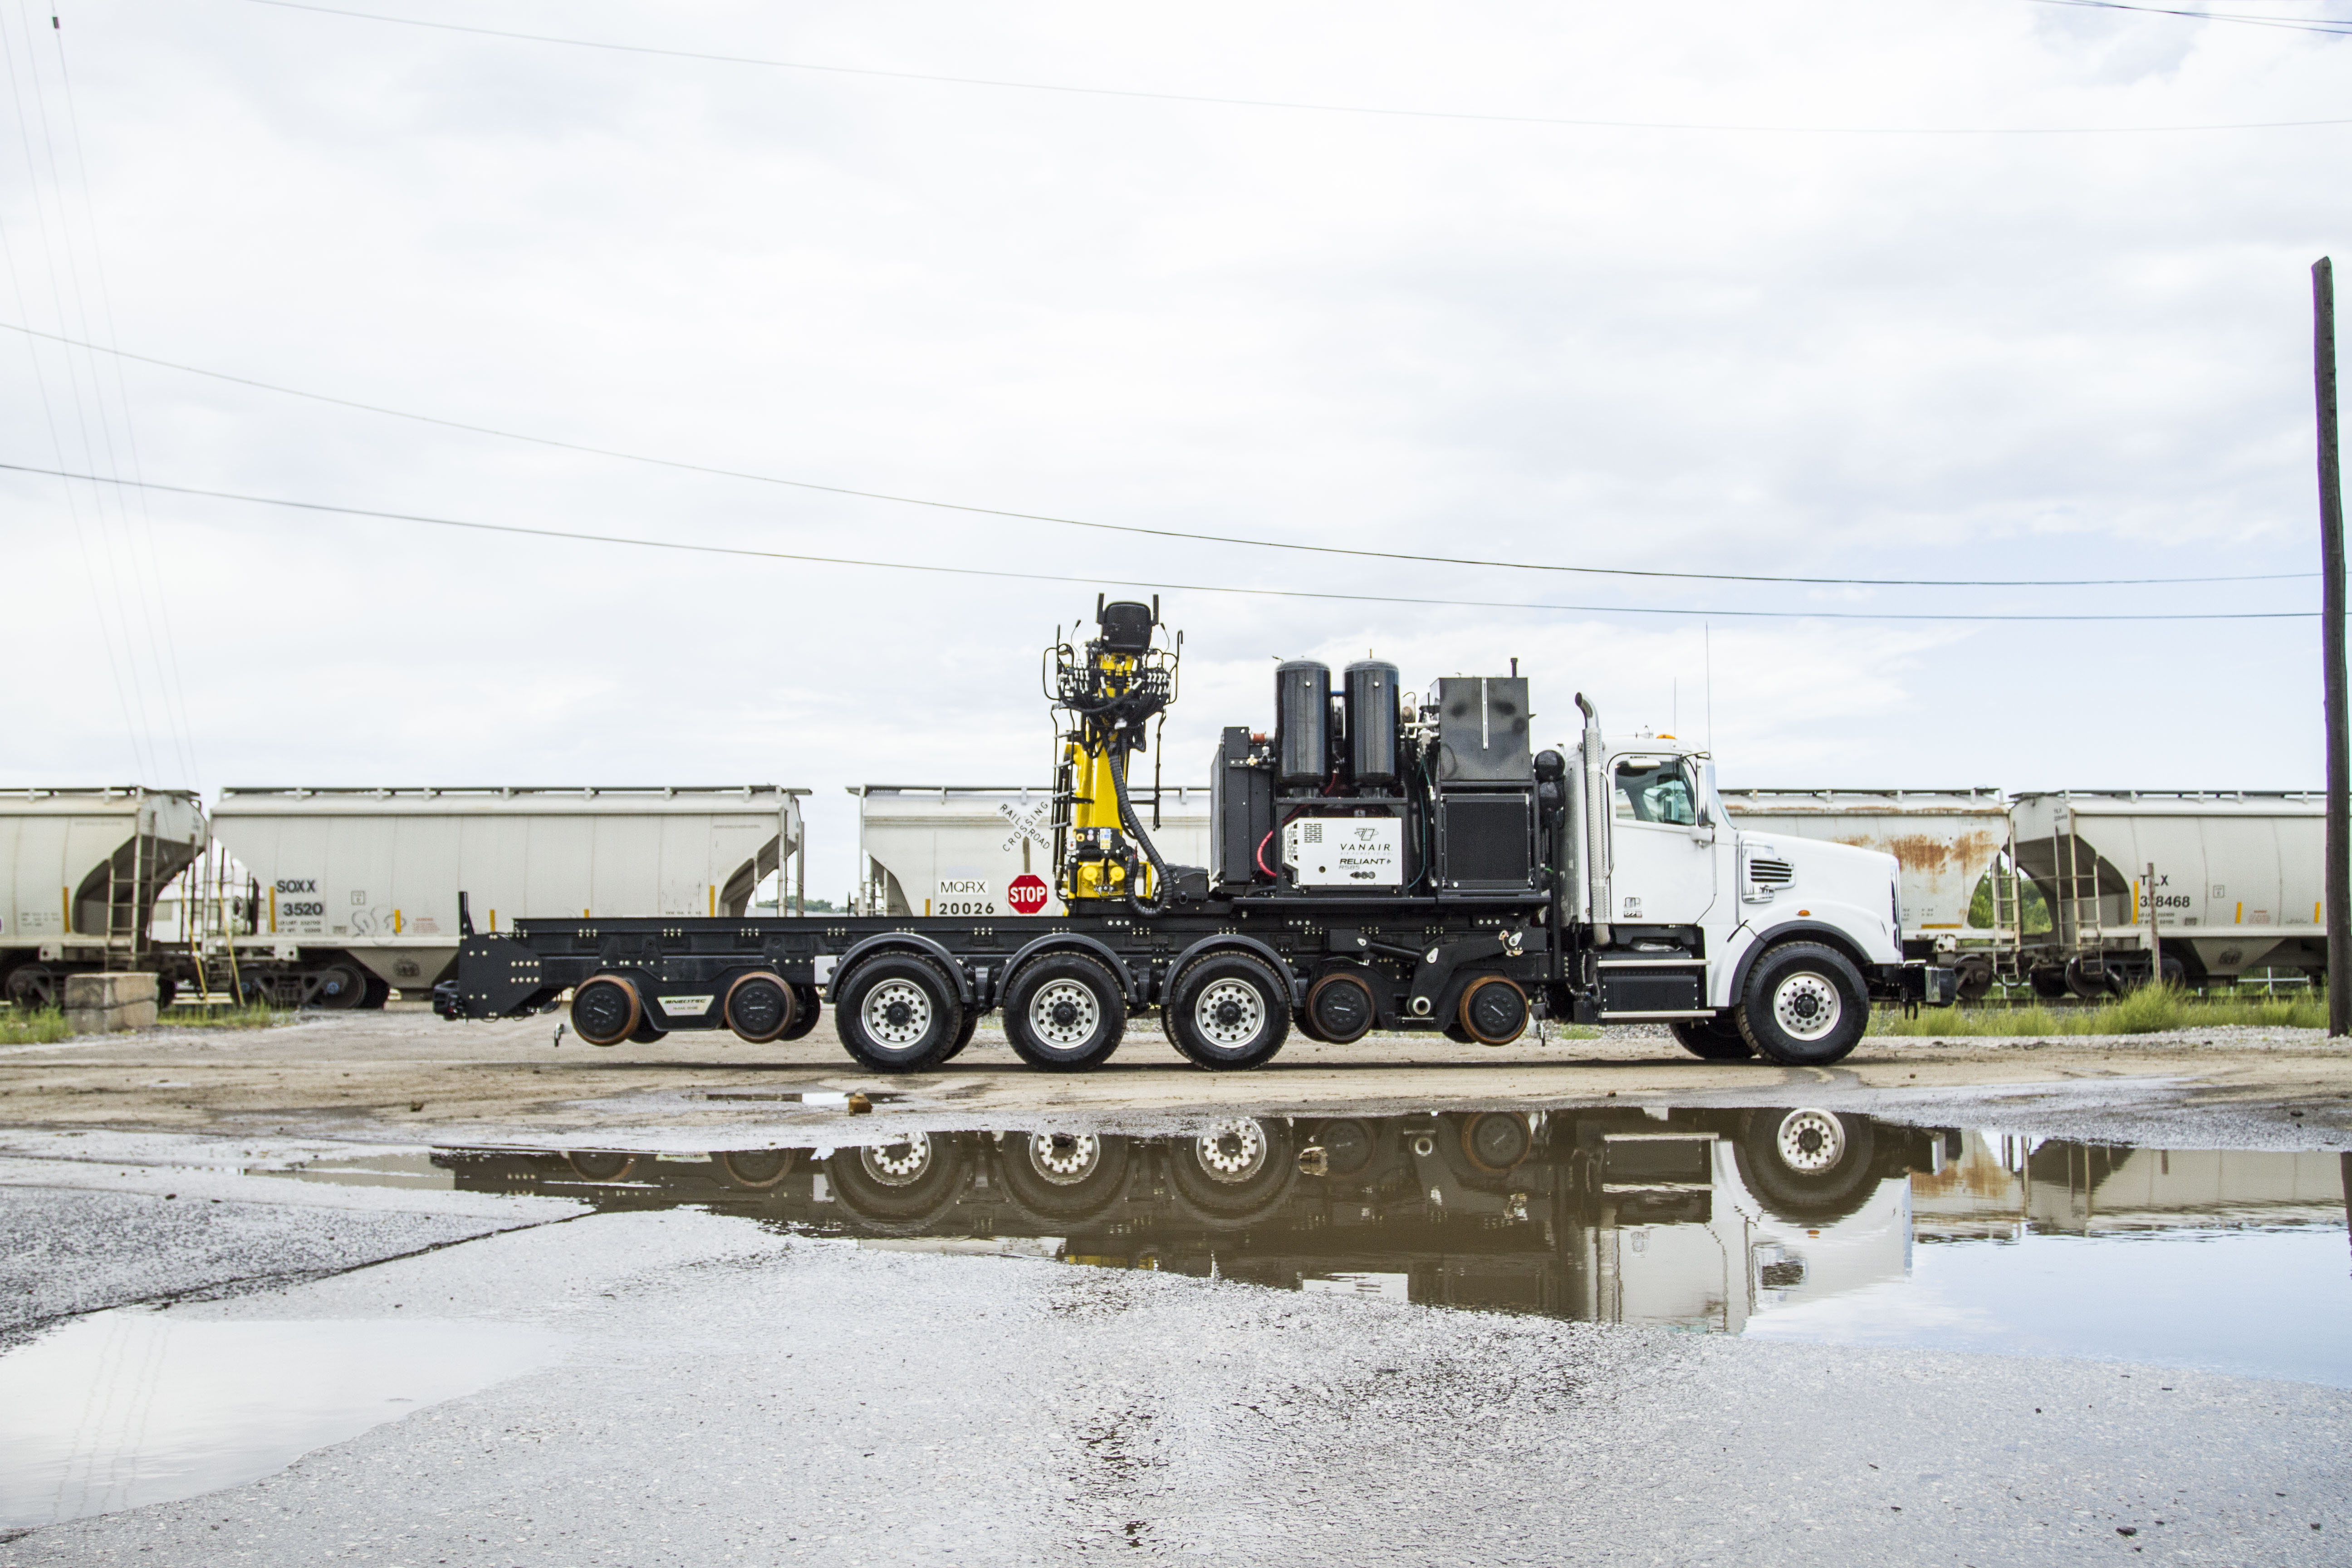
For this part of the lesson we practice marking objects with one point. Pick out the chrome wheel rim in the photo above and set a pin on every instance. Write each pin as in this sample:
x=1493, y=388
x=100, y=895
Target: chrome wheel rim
x=1063, y=1015
x=1810, y=1142
x=1232, y=1152
x=896, y=1013
x=1229, y=1013
x=900, y=1163
x=1806, y=1006
x=1065, y=1159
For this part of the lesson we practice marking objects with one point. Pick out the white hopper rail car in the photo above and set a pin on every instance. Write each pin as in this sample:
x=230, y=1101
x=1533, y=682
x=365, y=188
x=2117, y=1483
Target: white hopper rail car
x=960, y=849
x=2238, y=885
x=80, y=873
x=356, y=890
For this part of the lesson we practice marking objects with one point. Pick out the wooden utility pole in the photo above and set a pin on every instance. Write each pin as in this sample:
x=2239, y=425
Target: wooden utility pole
x=2331, y=644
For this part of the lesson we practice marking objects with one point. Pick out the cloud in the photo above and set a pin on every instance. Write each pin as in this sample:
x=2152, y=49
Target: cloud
x=1813, y=354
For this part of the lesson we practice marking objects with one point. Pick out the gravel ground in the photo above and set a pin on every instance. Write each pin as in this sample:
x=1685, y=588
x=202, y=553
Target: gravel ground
x=64, y=1252
x=402, y=1076
x=735, y=1396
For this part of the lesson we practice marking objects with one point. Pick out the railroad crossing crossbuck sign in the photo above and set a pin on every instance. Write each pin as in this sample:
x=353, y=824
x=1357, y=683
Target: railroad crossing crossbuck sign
x=1028, y=822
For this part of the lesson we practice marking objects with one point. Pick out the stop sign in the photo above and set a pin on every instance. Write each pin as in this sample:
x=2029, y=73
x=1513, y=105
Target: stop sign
x=1026, y=893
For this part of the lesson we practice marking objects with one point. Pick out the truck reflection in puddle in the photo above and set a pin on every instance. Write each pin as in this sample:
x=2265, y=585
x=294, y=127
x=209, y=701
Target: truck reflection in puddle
x=1692, y=1219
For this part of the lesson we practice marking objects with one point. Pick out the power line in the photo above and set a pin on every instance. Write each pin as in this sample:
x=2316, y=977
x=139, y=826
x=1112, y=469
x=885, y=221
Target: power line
x=1163, y=586
x=1186, y=534
x=1296, y=104
x=2293, y=24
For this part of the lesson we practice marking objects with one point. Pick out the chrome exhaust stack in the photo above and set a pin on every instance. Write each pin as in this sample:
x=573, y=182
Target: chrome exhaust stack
x=1596, y=823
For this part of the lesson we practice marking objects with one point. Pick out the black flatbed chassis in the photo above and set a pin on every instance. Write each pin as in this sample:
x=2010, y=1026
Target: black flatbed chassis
x=1423, y=949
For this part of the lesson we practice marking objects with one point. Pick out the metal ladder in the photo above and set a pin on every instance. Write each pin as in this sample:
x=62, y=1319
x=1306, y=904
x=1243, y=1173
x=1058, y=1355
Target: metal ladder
x=2077, y=913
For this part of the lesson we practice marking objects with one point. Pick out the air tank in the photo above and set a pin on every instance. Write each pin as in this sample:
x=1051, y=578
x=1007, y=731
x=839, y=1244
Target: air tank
x=1371, y=694
x=1302, y=722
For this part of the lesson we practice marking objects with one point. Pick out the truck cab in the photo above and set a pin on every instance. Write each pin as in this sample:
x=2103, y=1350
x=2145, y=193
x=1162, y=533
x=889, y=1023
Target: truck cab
x=1744, y=942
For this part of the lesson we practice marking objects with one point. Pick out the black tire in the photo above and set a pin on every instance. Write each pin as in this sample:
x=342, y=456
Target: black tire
x=1493, y=1010
x=1974, y=979
x=755, y=1170
x=1065, y=1176
x=758, y=1007
x=905, y=1184
x=1235, y=1170
x=1228, y=1012
x=1716, y=1039
x=969, y=1028
x=607, y=1010
x=2048, y=983
x=600, y=1165
x=1064, y=1012
x=167, y=988
x=808, y=1009
x=1340, y=1010
x=1804, y=1005
x=379, y=991
x=1347, y=1146
x=1497, y=1142
x=1807, y=1165
x=648, y=1032
x=898, y=1012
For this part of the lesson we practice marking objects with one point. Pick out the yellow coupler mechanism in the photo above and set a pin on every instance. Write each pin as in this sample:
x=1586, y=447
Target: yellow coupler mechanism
x=1104, y=695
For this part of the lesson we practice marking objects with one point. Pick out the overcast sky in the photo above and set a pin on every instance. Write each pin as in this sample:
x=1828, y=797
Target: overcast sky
x=1809, y=346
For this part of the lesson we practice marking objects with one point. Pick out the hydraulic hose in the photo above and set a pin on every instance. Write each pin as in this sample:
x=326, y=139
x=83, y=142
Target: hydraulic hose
x=1134, y=825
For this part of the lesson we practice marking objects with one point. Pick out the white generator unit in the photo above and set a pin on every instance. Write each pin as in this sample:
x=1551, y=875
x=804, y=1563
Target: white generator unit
x=371, y=876
x=79, y=871
x=963, y=850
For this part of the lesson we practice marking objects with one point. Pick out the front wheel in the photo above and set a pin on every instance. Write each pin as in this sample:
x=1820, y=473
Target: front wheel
x=1228, y=1012
x=1804, y=1005
x=1064, y=1012
x=1716, y=1039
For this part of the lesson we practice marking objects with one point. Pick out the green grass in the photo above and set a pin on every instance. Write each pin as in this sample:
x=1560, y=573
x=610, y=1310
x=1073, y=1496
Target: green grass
x=2148, y=1011
x=33, y=1027
x=45, y=1025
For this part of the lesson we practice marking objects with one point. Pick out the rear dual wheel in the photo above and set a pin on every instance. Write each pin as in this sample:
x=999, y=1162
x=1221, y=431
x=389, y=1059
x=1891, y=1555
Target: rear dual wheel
x=1228, y=1012
x=898, y=1012
x=1065, y=1013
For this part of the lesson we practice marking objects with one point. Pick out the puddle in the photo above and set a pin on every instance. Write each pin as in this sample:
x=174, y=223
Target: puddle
x=1783, y=1223
x=136, y=1405
x=417, y=1169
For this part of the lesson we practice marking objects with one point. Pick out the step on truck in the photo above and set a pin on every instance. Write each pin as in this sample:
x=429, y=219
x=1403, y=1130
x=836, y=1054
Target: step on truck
x=1380, y=860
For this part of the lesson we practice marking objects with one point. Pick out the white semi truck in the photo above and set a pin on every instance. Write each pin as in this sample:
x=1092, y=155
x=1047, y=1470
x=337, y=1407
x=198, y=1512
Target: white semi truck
x=1377, y=858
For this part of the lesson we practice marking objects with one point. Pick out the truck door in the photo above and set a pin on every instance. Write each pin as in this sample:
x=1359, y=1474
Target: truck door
x=1662, y=860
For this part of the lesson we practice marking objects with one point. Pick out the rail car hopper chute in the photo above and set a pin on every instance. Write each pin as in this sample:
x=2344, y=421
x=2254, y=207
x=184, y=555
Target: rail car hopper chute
x=81, y=872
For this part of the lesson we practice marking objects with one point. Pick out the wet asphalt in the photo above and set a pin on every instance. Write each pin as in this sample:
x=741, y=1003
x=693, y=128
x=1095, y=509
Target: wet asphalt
x=734, y=1394
x=742, y=1395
